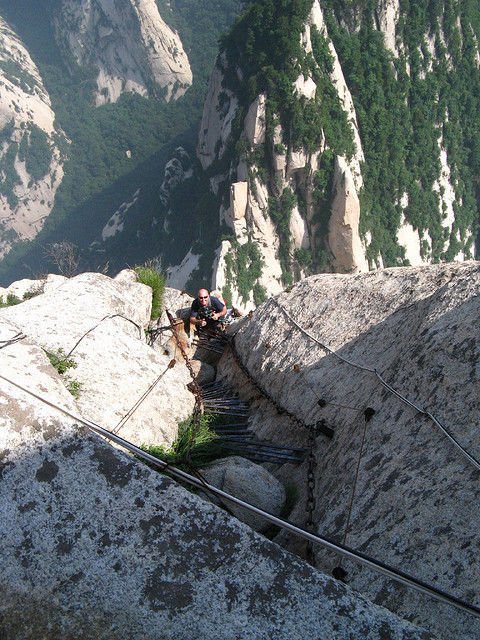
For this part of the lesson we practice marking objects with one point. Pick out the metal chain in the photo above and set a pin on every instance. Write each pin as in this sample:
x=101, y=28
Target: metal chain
x=313, y=431
x=319, y=427
x=194, y=387
x=311, y=501
x=196, y=390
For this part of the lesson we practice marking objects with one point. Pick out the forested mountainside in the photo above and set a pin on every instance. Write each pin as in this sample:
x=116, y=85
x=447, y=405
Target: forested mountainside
x=336, y=136
x=346, y=137
x=114, y=118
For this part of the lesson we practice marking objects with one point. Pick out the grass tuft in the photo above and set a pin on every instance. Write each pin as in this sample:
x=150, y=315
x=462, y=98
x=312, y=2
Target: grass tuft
x=202, y=444
x=146, y=274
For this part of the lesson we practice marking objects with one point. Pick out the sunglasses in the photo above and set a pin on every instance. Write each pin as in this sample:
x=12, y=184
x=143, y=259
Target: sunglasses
x=203, y=297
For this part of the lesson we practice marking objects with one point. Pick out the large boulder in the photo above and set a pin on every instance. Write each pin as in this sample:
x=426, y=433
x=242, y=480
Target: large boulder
x=394, y=487
x=95, y=544
x=125, y=385
x=250, y=482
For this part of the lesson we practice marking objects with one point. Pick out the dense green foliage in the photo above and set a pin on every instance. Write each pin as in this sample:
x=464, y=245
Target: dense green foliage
x=60, y=361
x=18, y=76
x=244, y=265
x=9, y=175
x=266, y=43
x=199, y=24
x=406, y=106
x=280, y=210
x=35, y=151
x=10, y=300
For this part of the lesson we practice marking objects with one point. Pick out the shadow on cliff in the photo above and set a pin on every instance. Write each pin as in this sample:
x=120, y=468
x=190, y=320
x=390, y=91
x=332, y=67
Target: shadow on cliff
x=142, y=237
x=390, y=483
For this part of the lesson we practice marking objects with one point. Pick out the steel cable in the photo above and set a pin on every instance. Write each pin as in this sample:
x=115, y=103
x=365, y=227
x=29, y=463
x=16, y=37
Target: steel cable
x=376, y=565
x=472, y=459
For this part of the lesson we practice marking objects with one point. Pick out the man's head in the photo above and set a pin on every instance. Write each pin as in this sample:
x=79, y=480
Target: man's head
x=203, y=297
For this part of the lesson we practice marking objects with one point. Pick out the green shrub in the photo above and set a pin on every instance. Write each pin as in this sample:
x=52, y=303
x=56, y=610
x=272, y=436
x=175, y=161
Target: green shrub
x=74, y=386
x=280, y=211
x=147, y=274
x=60, y=361
x=35, y=291
x=193, y=447
x=304, y=258
x=259, y=294
x=10, y=301
x=244, y=266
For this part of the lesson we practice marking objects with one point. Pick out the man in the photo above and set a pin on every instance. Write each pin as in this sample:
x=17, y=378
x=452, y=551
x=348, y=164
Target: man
x=206, y=310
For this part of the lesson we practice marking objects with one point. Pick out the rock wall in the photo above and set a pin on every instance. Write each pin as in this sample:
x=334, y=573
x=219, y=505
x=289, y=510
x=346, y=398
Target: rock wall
x=101, y=323
x=326, y=226
x=218, y=112
x=95, y=544
x=395, y=487
x=247, y=212
x=25, y=200
x=130, y=44
x=343, y=228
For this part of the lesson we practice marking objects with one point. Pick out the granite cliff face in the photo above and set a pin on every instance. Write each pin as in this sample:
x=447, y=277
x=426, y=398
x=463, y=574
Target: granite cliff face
x=80, y=517
x=30, y=159
x=126, y=46
x=290, y=167
x=298, y=174
x=129, y=43
x=389, y=483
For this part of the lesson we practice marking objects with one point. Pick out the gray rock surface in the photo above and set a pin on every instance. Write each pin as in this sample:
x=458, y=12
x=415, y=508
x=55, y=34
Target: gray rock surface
x=249, y=482
x=26, y=199
x=125, y=385
x=128, y=42
x=204, y=372
x=97, y=546
x=416, y=498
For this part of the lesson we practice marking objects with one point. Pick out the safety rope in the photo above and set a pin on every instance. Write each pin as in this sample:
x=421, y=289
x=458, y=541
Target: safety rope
x=472, y=459
x=194, y=387
x=153, y=334
x=16, y=338
x=114, y=315
x=142, y=398
x=393, y=573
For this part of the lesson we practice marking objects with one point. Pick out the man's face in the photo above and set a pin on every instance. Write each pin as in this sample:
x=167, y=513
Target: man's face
x=203, y=297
